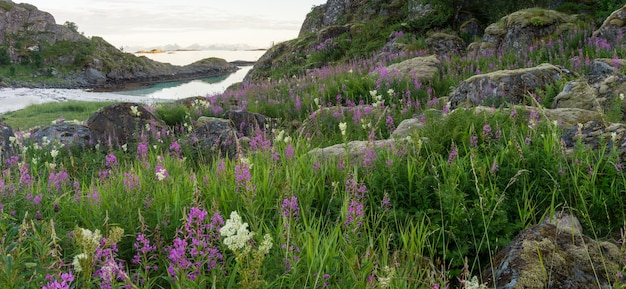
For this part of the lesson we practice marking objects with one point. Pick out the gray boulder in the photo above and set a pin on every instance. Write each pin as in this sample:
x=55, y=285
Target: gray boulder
x=214, y=137
x=596, y=135
x=122, y=123
x=613, y=28
x=525, y=28
x=247, y=123
x=554, y=256
x=407, y=127
x=577, y=94
x=424, y=68
x=354, y=150
x=444, y=43
x=504, y=86
x=5, y=143
x=66, y=134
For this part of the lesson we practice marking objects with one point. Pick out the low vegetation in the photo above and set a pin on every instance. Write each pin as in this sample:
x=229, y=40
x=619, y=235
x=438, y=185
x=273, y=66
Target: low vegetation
x=428, y=212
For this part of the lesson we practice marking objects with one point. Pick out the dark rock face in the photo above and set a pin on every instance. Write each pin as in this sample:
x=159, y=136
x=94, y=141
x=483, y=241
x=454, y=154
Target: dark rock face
x=123, y=123
x=553, y=256
x=247, y=123
x=504, y=86
x=38, y=23
x=66, y=134
x=595, y=135
x=442, y=43
x=613, y=30
x=215, y=137
x=5, y=143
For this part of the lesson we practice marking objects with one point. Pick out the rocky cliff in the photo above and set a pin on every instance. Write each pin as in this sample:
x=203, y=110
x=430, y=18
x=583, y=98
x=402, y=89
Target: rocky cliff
x=342, y=30
x=37, y=52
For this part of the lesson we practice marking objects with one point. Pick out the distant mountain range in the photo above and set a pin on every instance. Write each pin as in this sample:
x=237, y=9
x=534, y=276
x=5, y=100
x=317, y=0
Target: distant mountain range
x=196, y=46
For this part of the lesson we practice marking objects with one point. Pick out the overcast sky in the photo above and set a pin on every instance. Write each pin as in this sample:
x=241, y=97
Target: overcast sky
x=133, y=23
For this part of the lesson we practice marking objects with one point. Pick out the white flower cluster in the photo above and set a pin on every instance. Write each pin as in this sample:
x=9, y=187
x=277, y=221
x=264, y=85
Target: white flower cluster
x=342, y=127
x=76, y=262
x=134, y=111
x=266, y=245
x=236, y=232
x=379, y=98
x=474, y=284
x=91, y=239
x=280, y=136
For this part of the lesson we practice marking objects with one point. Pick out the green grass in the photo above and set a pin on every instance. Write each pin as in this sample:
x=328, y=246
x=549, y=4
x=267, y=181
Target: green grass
x=44, y=114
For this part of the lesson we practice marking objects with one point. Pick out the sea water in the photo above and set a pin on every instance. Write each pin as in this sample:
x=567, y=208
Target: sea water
x=17, y=98
x=198, y=87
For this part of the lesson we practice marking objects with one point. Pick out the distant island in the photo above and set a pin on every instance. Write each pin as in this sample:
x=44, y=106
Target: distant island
x=157, y=51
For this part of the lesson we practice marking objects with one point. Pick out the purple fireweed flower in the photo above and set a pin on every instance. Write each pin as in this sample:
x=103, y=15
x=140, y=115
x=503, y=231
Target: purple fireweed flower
x=453, y=154
x=486, y=130
x=131, y=182
x=290, y=208
x=473, y=141
x=289, y=151
x=110, y=160
x=12, y=161
x=64, y=283
x=391, y=126
x=221, y=167
x=25, y=178
x=142, y=150
x=58, y=180
x=260, y=141
x=243, y=179
x=494, y=167
x=195, y=250
x=385, y=203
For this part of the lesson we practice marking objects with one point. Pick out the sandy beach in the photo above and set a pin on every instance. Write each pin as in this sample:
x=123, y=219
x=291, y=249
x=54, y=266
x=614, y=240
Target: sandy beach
x=12, y=99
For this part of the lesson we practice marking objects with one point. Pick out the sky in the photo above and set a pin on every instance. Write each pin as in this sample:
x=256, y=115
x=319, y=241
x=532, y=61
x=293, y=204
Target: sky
x=153, y=23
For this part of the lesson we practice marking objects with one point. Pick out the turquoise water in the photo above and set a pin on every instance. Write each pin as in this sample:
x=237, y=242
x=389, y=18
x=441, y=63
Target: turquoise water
x=198, y=87
x=184, y=89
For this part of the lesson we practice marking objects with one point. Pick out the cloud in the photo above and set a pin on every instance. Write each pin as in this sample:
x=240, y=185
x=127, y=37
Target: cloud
x=184, y=21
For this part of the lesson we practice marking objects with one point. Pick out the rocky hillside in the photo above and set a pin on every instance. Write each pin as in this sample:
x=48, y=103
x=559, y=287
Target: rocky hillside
x=343, y=30
x=36, y=52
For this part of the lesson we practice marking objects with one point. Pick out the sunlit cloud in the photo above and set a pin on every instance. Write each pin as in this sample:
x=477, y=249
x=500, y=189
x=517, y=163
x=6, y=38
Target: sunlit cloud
x=158, y=22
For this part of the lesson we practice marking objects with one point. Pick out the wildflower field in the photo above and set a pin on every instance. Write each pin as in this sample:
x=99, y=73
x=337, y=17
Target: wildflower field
x=429, y=211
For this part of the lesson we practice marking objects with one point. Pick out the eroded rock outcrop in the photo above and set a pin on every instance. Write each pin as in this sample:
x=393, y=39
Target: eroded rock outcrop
x=66, y=134
x=524, y=28
x=423, y=68
x=214, y=137
x=504, y=86
x=613, y=29
x=444, y=43
x=554, y=254
x=597, y=135
x=353, y=151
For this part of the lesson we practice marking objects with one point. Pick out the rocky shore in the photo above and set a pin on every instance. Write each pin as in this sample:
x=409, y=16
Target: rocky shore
x=58, y=56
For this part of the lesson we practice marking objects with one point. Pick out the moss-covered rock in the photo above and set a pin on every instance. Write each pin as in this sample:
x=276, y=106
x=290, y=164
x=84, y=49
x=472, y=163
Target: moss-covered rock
x=504, y=86
x=546, y=256
x=524, y=28
x=613, y=29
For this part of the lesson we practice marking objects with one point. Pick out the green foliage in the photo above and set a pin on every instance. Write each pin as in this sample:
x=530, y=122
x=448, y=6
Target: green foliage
x=174, y=114
x=5, y=58
x=71, y=26
x=44, y=114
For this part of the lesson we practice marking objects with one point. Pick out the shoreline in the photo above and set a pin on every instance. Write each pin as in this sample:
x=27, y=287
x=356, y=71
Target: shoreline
x=13, y=99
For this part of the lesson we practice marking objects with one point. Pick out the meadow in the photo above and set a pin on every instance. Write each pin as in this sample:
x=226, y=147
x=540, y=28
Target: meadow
x=428, y=212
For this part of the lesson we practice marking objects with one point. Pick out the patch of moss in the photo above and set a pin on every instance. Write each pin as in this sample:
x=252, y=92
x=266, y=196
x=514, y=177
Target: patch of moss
x=6, y=5
x=536, y=17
